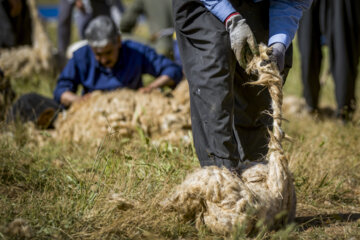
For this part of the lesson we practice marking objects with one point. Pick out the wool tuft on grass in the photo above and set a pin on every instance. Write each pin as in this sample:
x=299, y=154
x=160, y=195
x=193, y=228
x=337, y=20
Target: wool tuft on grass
x=257, y=191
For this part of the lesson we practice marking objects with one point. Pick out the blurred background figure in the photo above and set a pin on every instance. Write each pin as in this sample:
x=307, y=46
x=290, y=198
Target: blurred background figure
x=85, y=10
x=7, y=95
x=338, y=23
x=15, y=23
x=158, y=15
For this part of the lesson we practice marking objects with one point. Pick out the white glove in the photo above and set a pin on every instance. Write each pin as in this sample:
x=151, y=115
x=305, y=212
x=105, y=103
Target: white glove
x=242, y=38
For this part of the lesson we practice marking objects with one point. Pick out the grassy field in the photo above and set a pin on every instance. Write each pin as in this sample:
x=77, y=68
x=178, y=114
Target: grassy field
x=73, y=191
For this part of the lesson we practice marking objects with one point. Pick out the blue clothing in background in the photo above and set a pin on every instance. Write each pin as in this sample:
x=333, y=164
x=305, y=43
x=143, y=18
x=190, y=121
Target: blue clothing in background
x=134, y=60
x=284, y=16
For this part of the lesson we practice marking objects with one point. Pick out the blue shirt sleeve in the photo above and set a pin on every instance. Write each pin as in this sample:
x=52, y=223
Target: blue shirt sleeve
x=284, y=19
x=220, y=8
x=68, y=80
x=157, y=65
x=284, y=16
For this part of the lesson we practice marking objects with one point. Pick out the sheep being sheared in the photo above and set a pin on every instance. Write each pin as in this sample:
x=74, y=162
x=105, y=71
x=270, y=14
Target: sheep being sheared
x=119, y=113
x=220, y=199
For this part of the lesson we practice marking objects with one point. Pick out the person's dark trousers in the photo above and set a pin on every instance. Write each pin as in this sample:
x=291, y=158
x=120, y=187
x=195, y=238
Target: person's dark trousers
x=339, y=22
x=64, y=29
x=64, y=25
x=344, y=45
x=309, y=40
x=65, y=22
x=227, y=121
x=33, y=107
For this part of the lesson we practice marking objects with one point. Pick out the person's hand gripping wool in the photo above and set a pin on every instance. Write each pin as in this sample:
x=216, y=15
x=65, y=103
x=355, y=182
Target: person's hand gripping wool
x=242, y=39
x=278, y=55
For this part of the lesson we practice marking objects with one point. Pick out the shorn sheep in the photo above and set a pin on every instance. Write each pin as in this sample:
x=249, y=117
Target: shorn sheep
x=257, y=191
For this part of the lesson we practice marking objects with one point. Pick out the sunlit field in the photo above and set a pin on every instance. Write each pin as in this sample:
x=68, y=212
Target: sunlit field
x=69, y=190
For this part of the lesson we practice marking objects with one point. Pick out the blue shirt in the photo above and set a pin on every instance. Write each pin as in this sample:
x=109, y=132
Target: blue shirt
x=284, y=16
x=134, y=60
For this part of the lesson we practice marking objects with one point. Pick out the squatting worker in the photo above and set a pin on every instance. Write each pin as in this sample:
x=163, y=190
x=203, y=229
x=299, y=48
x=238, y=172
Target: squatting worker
x=214, y=35
x=105, y=64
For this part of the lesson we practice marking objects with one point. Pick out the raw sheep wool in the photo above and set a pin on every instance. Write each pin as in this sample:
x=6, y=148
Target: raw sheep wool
x=256, y=191
x=25, y=60
x=122, y=112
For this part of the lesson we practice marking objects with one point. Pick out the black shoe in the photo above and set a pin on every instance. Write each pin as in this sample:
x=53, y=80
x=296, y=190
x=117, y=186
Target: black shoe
x=345, y=116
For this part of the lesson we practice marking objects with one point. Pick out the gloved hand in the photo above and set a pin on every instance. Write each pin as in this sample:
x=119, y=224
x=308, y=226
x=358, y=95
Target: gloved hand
x=241, y=38
x=278, y=55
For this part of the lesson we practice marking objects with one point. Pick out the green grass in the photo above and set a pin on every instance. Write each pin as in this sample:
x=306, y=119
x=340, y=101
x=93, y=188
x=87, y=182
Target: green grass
x=66, y=190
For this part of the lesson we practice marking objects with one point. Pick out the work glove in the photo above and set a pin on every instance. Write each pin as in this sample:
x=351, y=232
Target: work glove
x=242, y=39
x=278, y=55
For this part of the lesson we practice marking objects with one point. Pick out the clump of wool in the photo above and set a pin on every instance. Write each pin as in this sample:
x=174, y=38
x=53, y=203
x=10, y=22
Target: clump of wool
x=257, y=191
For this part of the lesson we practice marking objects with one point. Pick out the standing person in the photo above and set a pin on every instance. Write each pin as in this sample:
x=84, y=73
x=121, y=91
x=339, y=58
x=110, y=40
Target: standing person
x=339, y=23
x=158, y=14
x=213, y=37
x=86, y=10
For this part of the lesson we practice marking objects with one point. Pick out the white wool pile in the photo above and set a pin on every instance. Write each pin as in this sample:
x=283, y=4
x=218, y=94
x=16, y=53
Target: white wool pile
x=120, y=113
x=220, y=199
x=25, y=60
x=212, y=196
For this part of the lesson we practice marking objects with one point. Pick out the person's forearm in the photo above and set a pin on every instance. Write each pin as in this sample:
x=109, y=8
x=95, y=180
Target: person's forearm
x=161, y=81
x=67, y=98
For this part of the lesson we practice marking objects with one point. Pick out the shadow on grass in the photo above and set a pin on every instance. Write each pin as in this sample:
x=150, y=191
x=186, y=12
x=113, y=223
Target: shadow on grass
x=324, y=220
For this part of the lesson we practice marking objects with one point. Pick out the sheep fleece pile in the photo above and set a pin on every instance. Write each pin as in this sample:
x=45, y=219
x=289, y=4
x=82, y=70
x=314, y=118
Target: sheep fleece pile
x=122, y=112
